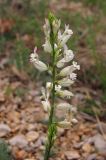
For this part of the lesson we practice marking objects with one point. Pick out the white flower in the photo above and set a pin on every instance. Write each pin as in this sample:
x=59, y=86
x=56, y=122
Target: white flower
x=49, y=85
x=64, y=93
x=60, y=63
x=63, y=38
x=45, y=102
x=65, y=82
x=40, y=65
x=69, y=69
x=47, y=46
x=64, y=106
x=75, y=65
x=57, y=87
x=67, y=30
x=34, y=55
x=46, y=105
x=68, y=54
x=73, y=76
x=64, y=124
x=35, y=60
x=65, y=71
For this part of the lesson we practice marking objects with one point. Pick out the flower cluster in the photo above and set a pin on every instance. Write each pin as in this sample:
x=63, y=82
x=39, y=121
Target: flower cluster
x=65, y=69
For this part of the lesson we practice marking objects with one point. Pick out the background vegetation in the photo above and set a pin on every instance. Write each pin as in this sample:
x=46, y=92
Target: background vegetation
x=21, y=29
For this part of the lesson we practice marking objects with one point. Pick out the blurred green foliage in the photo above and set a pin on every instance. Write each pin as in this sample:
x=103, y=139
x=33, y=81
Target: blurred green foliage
x=5, y=153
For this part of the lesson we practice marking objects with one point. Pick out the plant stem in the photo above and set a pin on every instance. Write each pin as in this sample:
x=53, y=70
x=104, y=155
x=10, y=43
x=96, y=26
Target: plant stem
x=51, y=126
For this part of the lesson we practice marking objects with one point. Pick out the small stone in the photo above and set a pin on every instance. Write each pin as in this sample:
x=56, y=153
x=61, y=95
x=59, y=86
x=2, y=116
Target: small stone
x=92, y=156
x=19, y=141
x=4, y=130
x=32, y=136
x=100, y=143
x=14, y=116
x=71, y=155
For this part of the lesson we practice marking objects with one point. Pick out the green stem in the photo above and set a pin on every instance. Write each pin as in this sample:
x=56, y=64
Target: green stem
x=51, y=127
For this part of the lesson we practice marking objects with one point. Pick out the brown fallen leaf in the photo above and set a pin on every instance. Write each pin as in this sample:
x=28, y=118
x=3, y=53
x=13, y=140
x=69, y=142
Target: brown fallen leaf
x=70, y=155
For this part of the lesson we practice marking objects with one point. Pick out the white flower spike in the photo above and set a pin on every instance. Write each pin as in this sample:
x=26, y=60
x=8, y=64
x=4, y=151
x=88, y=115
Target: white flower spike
x=62, y=75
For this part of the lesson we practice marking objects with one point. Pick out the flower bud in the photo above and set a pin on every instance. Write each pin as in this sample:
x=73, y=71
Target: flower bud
x=40, y=65
x=47, y=46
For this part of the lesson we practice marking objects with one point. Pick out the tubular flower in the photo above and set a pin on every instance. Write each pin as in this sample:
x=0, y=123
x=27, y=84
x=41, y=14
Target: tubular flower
x=47, y=46
x=68, y=54
x=63, y=38
x=65, y=71
x=65, y=94
x=46, y=105
x=35, y=60
x=45, y=96
x=65, y=82
x=61, y=63
x=69, y=69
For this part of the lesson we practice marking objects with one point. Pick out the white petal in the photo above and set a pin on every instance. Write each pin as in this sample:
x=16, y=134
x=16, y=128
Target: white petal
x=48, y=85
x=73, y=76
x=64, y=40
x=40, y=65
x=57, y=87
x=68, y=54
x=75, y=65
x=67, y=30
x=65, y=82
x=46, y=105
x=65, y=93
x=47, y=46
x=61, y=63
x=43, y=91
x=65, y=71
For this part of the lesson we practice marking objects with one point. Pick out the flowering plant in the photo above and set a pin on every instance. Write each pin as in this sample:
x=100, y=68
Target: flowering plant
x=62, y=76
